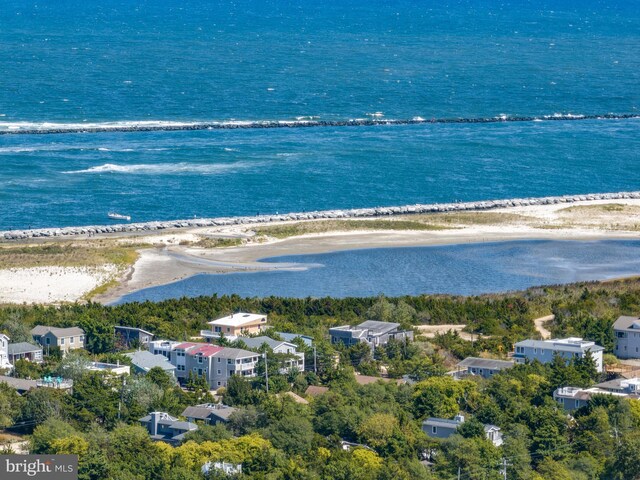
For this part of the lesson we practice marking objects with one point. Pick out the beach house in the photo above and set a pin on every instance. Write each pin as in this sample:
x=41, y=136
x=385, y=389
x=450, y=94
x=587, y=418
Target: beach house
x=545, y=350
x=626, y=331
x=371, y=332
x=66, y=339
x=293, y=360
x=235, y=325
x=4, y=352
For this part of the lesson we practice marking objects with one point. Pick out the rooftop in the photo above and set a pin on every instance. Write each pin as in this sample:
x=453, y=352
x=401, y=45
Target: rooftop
x=441, y=422
x=146, y=360
x=488, y=363
x=122, y=327
x=206, y=350
x=571, y=344
x=239, y=319
x=626, y=322
x=235, y=353
x=18, y=383
x=58, y=332
x=23, y=347
x=257, y=342
x=378, y=328
x=205, y=410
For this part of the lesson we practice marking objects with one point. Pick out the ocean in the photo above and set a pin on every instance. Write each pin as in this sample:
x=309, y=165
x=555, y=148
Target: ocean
x=465, y=269
x=125, y=62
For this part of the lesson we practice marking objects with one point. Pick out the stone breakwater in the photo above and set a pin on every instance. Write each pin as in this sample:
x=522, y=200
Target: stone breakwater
x=318, y=215
x=34, y=129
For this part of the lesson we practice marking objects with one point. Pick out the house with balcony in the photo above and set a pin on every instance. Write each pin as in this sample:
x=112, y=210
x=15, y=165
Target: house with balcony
x=163, y=427
x=545, y=350
x=235, y=325
x=371, y=332
x=24, y=351
x=626, y=331
x=572, y=398
x=217, y=364
x=66, y=339
x=293, y=360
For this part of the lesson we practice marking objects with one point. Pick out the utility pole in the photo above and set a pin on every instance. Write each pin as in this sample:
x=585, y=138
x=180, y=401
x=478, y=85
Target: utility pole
x=503, y=469
x=315, y=361
x=458, y=472
x=266, y=370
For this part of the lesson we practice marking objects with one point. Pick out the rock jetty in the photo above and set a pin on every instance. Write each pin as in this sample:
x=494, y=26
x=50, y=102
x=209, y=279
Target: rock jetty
x=234, y=125
x=318, y=215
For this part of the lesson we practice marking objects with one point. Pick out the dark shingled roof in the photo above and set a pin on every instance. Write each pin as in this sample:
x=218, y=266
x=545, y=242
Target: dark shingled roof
x=58, y=332
x=23, y=347
x=488, y=363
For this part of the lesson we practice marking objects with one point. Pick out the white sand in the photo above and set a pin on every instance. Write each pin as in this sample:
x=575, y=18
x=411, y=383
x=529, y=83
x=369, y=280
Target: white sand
x=51, y=284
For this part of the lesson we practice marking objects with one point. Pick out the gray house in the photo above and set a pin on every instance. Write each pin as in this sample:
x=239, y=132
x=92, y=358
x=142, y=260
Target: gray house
x=443, y=428
x=627, y=333
x=144, y=361
x=295, y=359
x=627, y=386
x=165, y=428
x=132, y=336
x=483, y=367
x=66, y=339
x=209, y=413
x=568, y=348
x=24, y=351
x=371, y=332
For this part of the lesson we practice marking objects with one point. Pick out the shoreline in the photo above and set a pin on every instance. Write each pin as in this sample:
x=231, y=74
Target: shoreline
x=83, y=231
x=164, y=266
x=172, y=254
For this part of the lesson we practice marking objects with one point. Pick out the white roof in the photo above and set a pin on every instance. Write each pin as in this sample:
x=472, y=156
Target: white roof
x=238, y=319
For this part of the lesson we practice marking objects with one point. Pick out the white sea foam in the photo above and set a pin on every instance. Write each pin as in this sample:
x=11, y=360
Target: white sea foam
x=168, y=168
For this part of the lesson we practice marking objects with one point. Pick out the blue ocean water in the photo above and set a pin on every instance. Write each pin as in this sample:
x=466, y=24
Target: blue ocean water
x=73, y=61
x=467, y=269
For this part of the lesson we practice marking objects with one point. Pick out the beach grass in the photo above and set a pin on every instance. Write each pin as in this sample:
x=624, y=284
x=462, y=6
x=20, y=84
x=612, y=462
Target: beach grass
x=325, y=226
x=67, y=255
x=604, y=208
x=210, y=242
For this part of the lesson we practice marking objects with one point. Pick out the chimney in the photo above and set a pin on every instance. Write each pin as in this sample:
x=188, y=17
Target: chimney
x=153, y=425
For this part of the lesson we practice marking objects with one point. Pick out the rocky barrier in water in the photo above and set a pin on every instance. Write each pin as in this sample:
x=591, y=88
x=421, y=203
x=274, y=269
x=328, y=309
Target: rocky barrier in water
x=319, y=215
x=234, y=125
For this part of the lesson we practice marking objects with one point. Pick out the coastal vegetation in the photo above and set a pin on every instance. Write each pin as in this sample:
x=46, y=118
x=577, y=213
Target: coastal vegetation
x=275, y=437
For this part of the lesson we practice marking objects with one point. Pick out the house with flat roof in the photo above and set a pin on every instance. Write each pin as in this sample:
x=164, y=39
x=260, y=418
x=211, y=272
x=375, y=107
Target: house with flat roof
x=371, y=332
x=24, y=351
x=235, y=325
x=626, y=331
x=572, y=398
x=132, y=336
x=208, y=413
x=295, y=359
x=568, y=348
x=628, y=386
x=4, y=352
x=66, y=339
x=143, y=361
x=483, y=367
x=163, y=427
x=110, y=368
x=443, y=428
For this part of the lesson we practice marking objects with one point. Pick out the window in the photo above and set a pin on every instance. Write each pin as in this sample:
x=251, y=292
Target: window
x=48, y=341
x=218, y=359
x=228, y=329
x=434, y=429
x=200, y=359
x=219, y=372
x=217, y=329
x=535, y=351
x=81, y=338
x=218, y=383
x=62, y=341
x=72, y=339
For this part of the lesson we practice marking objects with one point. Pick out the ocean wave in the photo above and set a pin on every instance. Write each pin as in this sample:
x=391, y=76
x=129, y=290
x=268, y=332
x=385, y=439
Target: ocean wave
x=33, y=128
x=168, y=168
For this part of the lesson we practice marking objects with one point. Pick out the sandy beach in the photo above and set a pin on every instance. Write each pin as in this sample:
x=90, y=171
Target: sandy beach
x=171, y=256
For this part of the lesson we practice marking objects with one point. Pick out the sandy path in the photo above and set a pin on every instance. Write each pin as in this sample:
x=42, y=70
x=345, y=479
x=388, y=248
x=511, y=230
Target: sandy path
x=539, y=323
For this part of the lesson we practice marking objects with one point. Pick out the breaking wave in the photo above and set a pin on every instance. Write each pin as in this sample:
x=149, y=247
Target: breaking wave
x=167, y=168
x=33, y=128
